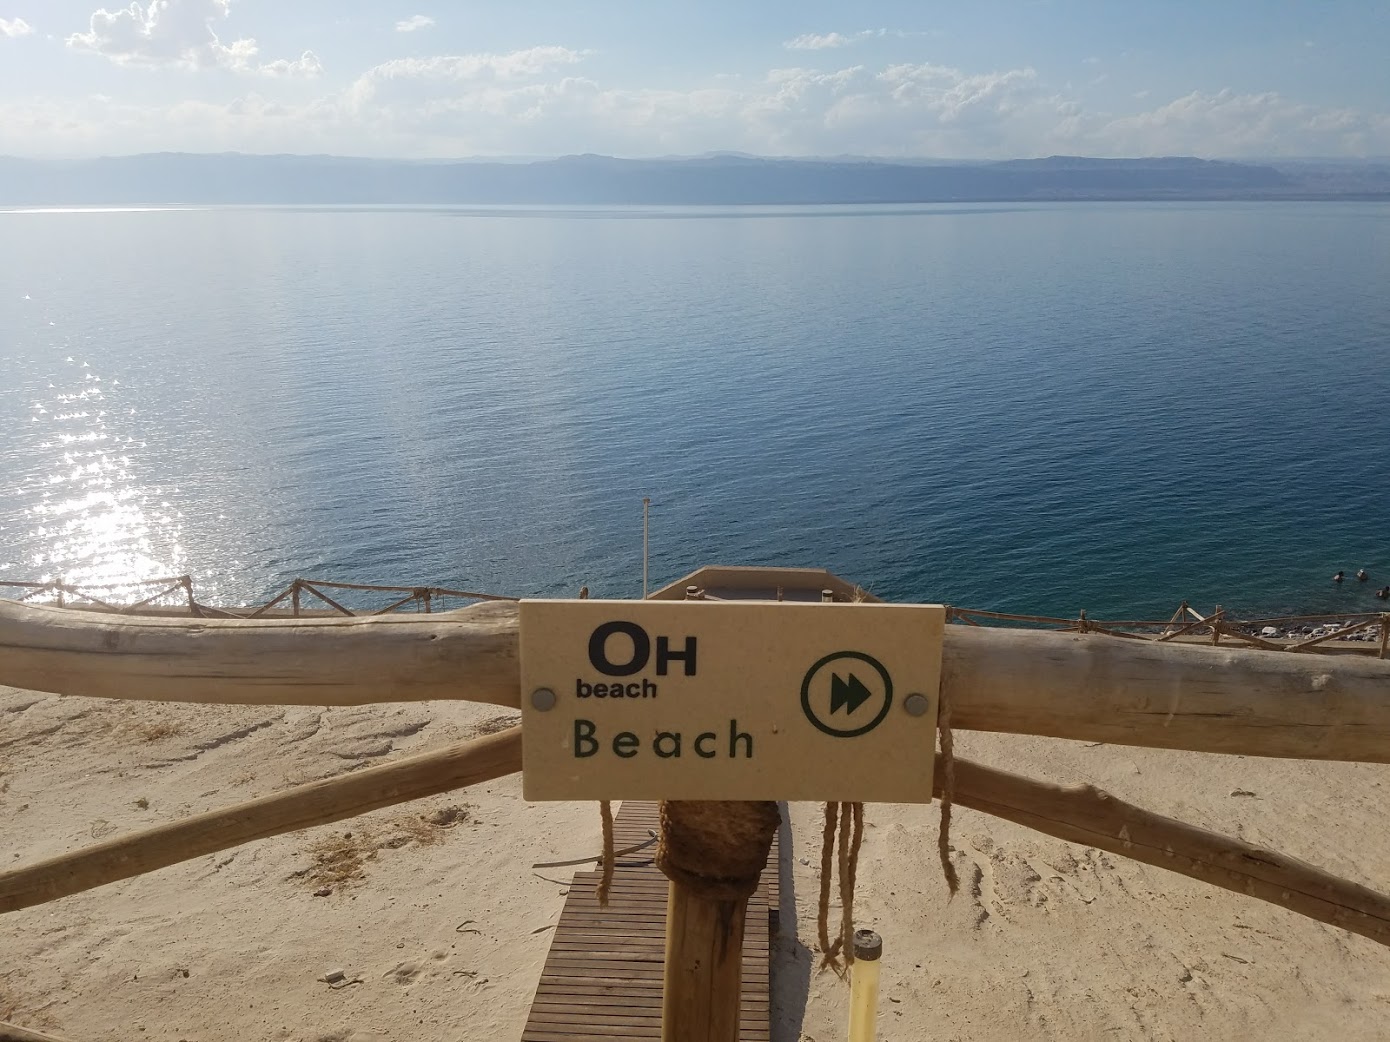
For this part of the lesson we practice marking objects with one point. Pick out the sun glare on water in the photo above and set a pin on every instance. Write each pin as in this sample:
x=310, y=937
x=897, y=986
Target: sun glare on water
x=97, y=525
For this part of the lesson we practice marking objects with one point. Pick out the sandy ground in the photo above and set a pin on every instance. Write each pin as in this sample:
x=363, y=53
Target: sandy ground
x=440, y=925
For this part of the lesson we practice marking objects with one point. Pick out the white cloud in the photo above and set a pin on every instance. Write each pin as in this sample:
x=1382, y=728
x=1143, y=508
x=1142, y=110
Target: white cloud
x=418, y=21
x=179, y=33
x=15, y=27
x=815, y=42
x=406, y=80
x=1229, y=124
x=307, y=64
x=461, y=106
x=952, y=95
x=539, y=101
x=511, y=66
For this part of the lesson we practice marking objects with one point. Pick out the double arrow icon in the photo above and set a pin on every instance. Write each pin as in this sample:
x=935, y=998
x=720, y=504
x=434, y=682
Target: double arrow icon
x=842, y=719
x=847, y=694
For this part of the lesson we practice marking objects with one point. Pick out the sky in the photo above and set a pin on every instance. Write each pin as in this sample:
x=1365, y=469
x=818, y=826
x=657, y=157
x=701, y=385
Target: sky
x=419, y=79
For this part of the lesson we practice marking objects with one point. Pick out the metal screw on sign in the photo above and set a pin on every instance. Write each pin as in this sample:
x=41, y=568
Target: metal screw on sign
x=543, y=699
x=916, y=705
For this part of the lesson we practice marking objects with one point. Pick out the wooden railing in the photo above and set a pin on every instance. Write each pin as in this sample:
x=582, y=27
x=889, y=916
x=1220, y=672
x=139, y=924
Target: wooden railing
x=64, y=594
x=1291, y=632
x=1294, y=633
x=74, y=595
x=1152, y=689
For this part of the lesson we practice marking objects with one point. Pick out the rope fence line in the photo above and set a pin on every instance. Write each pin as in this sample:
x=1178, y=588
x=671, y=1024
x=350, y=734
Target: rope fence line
x=1289, y=633
x=64, y=594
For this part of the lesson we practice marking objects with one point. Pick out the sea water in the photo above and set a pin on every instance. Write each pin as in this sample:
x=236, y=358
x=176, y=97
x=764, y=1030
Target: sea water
x=1038, y=408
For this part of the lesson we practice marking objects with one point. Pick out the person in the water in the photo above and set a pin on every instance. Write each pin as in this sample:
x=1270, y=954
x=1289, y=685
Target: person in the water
x=1361, y=574
x=1339, y=577
x=1384, y=593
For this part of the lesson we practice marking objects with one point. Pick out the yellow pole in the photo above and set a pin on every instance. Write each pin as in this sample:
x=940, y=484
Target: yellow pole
x=863, y=988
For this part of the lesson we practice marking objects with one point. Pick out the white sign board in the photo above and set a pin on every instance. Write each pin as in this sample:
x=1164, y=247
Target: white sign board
x=729, y=700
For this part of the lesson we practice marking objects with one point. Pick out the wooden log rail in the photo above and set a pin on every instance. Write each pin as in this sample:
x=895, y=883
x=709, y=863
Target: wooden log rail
x=15, y=1033
x=1216, y=624
x=305, y=806
x=1080, y=814
x=1088, y=687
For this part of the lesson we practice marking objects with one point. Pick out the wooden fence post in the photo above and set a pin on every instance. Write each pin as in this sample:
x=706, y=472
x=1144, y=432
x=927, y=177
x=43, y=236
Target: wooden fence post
x=15, y=1033
x=713, y=853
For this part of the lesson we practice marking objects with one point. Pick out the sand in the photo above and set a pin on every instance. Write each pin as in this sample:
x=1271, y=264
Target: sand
x=439, y=924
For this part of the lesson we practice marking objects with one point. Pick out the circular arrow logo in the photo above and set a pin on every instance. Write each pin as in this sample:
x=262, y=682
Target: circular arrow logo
x=846, y=694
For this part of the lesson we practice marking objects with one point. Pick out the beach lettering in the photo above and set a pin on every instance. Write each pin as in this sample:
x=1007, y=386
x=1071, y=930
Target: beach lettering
x=621, y=649
x=666, y=744
x=641, y=651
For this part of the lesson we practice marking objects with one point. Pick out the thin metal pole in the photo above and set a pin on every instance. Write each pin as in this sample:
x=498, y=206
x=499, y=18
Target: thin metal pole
x=646, y=509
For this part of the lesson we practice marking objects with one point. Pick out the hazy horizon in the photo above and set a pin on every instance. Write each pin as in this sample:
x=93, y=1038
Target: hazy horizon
x=716, y=153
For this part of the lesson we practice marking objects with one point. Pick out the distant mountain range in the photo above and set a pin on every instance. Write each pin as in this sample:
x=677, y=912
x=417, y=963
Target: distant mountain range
x=719, y=179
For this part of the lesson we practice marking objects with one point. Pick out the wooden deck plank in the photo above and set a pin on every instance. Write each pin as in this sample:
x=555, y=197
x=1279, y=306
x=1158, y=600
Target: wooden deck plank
x=636, y=1000
x=603, y=975
x=637, y=820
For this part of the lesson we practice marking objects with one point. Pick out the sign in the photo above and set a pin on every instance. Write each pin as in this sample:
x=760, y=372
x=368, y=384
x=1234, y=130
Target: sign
x=729, y=700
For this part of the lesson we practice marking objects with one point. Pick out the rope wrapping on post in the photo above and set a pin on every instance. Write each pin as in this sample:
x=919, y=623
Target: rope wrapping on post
x=716, y=849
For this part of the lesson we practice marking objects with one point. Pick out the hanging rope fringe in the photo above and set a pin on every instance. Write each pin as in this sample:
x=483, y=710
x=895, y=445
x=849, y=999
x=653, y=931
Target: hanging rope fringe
x=827, y=852
x=841, y=837
x=605, y=810
x=842, y=833
x=849, y=867
x=948, y=790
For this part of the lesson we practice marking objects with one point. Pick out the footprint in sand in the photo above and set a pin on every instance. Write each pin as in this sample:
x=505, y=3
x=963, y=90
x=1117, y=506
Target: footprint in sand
x=403, y=973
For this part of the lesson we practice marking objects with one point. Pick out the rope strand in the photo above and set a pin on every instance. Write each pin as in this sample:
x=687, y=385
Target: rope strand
x=948, y=791
x=849, y=870
x=827, y=853
x=605, y=810
x=841, y=837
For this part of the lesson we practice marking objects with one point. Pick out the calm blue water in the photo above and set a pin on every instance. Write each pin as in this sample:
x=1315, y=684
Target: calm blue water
x=1041, y=408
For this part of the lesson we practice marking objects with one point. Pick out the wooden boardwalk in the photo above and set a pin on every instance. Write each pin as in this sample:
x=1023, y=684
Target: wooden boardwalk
x=603, y=976
x=638, y=820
